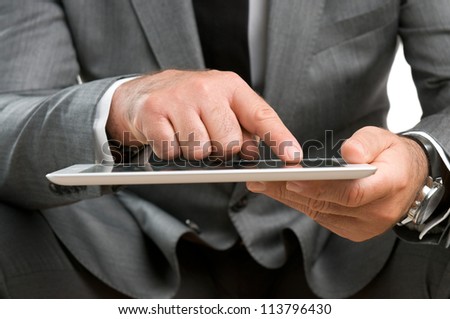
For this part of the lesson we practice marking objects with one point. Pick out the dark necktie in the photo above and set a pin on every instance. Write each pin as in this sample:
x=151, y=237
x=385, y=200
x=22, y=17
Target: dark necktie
x=223, y=31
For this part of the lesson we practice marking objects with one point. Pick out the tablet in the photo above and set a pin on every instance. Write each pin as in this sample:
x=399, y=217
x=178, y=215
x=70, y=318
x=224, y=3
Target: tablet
x=183, y=171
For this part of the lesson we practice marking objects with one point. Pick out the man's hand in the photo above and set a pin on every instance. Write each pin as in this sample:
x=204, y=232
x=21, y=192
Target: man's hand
x=364, y=208
x=196, y=114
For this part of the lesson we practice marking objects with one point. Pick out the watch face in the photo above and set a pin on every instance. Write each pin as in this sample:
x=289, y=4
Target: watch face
x=429, y=203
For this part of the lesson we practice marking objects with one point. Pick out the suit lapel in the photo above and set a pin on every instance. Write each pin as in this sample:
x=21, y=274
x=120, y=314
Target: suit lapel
x=292, y=30
x=171, y=31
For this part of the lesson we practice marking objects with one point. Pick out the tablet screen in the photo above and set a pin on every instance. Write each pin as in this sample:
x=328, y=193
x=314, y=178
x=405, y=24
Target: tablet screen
x=182, y=165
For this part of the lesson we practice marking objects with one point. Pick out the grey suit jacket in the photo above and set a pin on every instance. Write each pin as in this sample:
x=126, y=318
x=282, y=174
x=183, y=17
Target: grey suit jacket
x=327, y=67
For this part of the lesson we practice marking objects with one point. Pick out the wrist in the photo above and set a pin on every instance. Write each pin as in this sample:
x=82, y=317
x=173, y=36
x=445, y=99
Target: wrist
x=419, y=160
x=431, y=191
x=118, y=126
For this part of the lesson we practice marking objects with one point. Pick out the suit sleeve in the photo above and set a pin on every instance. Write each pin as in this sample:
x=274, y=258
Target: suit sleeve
x=46, y=118
x=425, y=33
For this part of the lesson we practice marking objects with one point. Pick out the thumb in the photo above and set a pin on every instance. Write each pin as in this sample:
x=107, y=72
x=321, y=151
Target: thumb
x=366, y=145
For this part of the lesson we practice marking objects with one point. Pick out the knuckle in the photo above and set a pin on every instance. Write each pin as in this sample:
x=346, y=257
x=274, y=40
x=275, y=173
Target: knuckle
x=318, y=205
x=231, y=76
x=228, y=134
x=402, y=183
x=367, y=129
x=388, y=217
x=319, y=192
x=155, y=104
x=370, y=130
x=170, y=72
x=212, y=72
x=223, y=77
x=354, y=196
x=277, y=190
x=201, y=86
x=264, y=113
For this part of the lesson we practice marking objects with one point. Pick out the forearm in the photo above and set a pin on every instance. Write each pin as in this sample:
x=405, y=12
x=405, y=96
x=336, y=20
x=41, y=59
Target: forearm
x=43, y=133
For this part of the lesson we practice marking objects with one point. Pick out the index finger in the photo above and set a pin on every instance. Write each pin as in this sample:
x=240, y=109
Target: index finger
x=257, y=117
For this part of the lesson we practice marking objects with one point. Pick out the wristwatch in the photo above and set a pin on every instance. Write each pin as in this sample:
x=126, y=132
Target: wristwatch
x=432, y=193
x=426, y=202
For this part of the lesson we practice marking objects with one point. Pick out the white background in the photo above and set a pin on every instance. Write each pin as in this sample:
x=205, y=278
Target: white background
x=340, y=309
x=405, y=108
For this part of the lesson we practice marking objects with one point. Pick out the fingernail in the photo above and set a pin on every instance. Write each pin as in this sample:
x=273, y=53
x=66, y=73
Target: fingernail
x=256, y=186
x=295, y=187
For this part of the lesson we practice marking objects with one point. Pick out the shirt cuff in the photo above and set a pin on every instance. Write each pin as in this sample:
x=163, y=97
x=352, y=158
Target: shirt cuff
x=102, y=151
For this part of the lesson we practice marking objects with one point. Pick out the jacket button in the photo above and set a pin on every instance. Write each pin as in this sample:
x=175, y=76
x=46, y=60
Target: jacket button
x=65, y=190
x=240, y=205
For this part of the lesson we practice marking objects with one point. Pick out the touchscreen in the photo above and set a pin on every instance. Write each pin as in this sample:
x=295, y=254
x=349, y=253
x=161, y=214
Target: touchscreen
x=180, y=165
